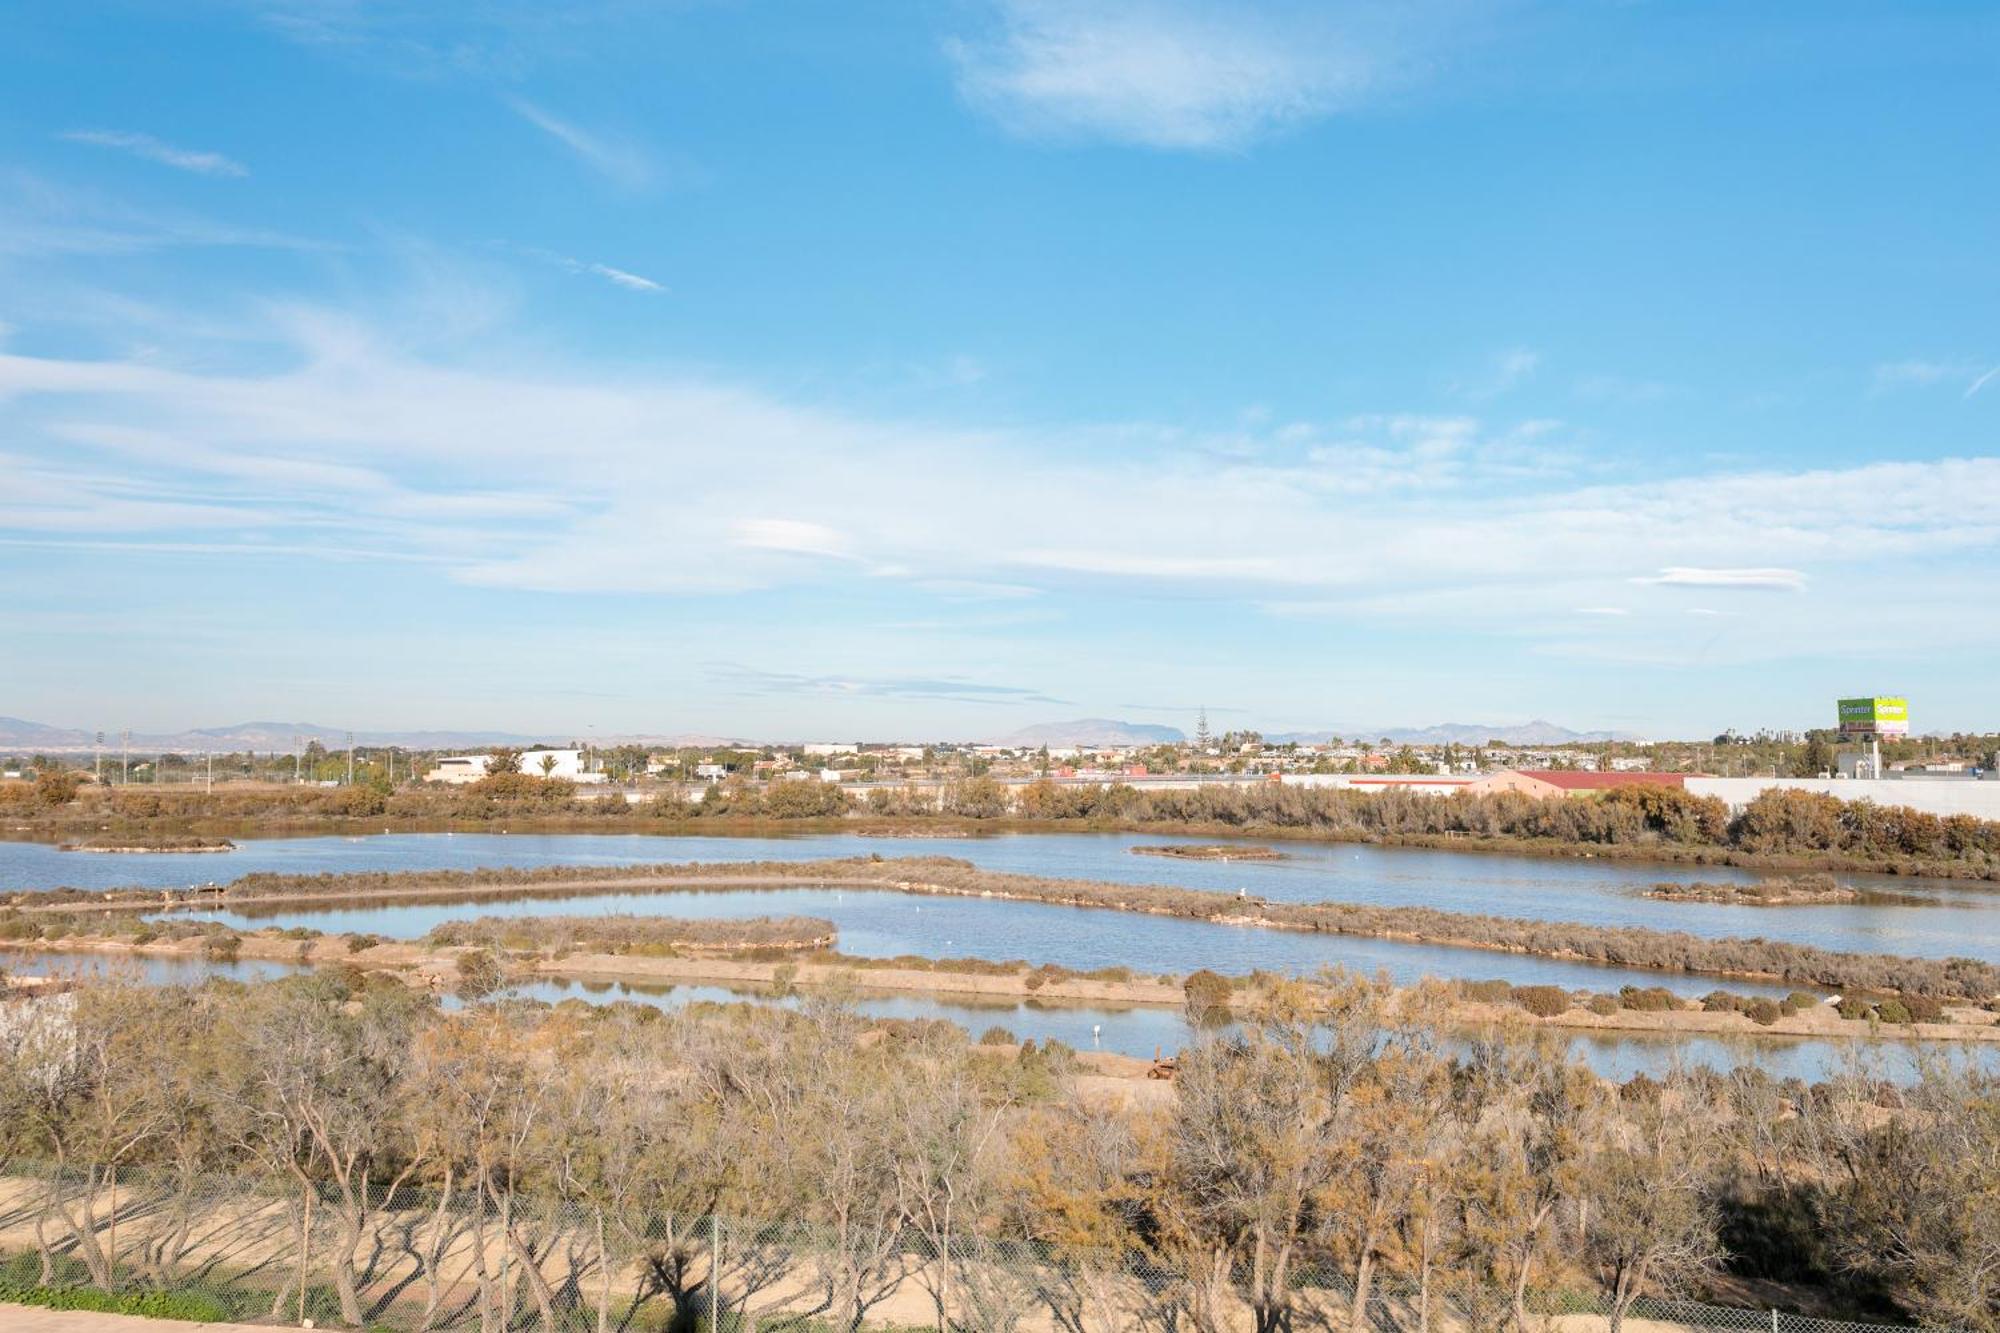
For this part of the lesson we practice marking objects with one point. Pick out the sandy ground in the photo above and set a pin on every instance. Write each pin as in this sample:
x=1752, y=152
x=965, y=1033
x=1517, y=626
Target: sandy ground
x=27, y=1319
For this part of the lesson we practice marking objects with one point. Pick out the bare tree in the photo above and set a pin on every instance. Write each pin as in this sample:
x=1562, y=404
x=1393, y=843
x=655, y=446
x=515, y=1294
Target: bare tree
x=1646, y=1217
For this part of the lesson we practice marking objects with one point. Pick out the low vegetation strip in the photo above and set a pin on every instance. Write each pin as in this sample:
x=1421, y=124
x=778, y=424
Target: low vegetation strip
x=187, y=1306
x=1781, y=829
x=1224, y=851
x=1802, y=890
x=627, y=934
x=1671, y=951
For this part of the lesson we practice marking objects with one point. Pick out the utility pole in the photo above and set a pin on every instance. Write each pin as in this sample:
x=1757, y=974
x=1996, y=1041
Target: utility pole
x=298, y=760
x=350, y=759
x=209, y=757
x=98, y=749
x=125, y=757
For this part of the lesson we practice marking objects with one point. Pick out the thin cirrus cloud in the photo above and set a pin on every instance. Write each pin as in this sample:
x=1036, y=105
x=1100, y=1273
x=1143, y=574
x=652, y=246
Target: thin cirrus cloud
x=198, y=161
x=1923, y=374
x=621, y=163
x=1765, y=580
x=353, y=439
x=1203, y=75
x=752, y=681
x=618, y=277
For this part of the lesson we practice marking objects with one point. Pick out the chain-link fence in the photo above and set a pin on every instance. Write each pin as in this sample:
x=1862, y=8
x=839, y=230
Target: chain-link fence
x=446, y=1258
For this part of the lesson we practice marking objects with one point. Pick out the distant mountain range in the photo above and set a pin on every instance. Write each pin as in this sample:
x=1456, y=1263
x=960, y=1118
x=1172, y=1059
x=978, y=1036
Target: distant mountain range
x=18, y=734
x=1104, y=731
x=1537, y=732
x=21, y=736
x=1093, y=731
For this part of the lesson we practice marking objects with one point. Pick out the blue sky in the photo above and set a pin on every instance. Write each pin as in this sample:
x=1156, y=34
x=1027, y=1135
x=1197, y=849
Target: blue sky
x=935, y=369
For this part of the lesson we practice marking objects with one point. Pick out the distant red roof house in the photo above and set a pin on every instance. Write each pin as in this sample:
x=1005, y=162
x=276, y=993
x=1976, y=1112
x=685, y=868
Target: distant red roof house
x=1568, y=782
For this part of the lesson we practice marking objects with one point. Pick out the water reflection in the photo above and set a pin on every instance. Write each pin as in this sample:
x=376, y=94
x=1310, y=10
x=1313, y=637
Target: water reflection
x=1135, y=1031
x=1598, y=892
x=878, y=924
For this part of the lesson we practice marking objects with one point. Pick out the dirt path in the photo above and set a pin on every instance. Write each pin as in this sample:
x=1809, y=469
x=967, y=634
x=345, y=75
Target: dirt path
x=30, y=1319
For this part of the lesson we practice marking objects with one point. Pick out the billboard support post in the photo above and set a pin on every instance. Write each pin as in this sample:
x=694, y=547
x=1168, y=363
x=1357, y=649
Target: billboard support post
x=1871, y=719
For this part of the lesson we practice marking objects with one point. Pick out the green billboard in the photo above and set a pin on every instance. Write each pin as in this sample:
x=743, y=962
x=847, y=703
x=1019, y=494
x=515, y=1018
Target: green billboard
x=1875, y=717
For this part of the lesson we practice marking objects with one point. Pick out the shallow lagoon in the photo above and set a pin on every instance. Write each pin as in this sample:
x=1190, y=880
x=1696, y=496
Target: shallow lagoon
x=1951, y=918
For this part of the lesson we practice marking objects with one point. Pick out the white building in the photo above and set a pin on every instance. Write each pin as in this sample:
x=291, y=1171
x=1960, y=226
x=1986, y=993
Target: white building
x=827, y=749
x=566, y=764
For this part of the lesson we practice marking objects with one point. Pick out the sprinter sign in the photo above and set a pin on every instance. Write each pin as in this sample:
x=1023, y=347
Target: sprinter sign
x=1874, y=717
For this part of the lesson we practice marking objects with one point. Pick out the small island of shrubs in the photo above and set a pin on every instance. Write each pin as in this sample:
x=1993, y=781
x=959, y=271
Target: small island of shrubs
x=1221, y=851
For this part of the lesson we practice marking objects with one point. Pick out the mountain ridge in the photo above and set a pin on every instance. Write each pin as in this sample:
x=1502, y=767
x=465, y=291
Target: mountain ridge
x=21, y=734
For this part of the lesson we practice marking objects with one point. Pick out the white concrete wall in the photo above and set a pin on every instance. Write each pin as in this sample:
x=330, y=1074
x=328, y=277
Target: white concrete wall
x=1933, y=796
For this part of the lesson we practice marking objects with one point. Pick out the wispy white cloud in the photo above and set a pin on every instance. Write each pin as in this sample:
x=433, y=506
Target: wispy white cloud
x=42, y=217
x=1915, y=373
x=1682, y=576
x=1919, y=373
x=523, y=474
x=198, y=161
x=1515, y=365
x=1621, y=389
x=622, y=163
x=630, y=281
x=752, y=681
x=1191, y=74
x=789, y=535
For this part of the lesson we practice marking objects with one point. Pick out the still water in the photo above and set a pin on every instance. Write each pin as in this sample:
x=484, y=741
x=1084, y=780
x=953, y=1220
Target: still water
x=878, y=924
x=1946, y=919
x=1136, y=1031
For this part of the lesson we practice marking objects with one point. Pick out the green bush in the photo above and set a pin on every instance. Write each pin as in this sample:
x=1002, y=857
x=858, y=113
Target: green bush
x=1648, y=999
x=222, y=948
x=1487, y=992
x=1603, y=1005
x=1207, y=997
x=1923, y=1009
x=1803, y=1002
x=997, y=1036
x=1542, y=1001
x=192, y=1306
x=1894, y=1011
x=479, y=974
x=1853, y=1006
x=1762, y=1011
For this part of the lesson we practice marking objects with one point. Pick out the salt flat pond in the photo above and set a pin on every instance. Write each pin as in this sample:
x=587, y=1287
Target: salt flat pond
x=1951, y=918
x=1138, y=1031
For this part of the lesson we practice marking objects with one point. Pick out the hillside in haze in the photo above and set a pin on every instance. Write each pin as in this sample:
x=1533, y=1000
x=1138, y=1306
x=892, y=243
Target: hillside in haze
x=1093, y=731
x=20, y=734
x=1537, y=732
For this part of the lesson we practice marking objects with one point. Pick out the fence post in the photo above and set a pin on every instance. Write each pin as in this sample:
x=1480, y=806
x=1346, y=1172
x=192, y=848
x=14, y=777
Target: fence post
x=714, y=1273
x=1774, y=1319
